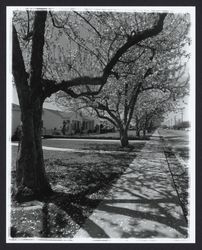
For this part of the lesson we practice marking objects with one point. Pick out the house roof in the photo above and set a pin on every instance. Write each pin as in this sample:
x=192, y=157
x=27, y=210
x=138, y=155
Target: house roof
x=63, y=114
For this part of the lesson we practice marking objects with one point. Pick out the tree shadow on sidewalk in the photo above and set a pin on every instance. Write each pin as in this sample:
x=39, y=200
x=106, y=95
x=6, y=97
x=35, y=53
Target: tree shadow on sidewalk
x=77, y=209
x=161, y=211
x=82, y=187
x=158, y=211
x=145, y=196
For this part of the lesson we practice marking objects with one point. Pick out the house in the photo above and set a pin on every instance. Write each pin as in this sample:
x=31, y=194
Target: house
x=16, y=117
x=56, y=122
x=60, y=122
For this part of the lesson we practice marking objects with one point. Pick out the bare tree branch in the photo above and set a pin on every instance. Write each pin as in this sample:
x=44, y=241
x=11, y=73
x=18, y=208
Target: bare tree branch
x=132, y=60
x=29, y=33
x=50, y=87
x=153, y=50
x=98, y=33
x=54, y=23
x=86, y=48
x=105, y=117
x=18, y=67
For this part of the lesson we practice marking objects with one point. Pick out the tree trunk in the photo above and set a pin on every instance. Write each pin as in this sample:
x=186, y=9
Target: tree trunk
x=137, y=127
x=124, y=137
x=145, y=128
x=31, y=180
x=138, y=132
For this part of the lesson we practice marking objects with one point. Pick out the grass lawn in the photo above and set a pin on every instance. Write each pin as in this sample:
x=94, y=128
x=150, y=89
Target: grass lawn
x=111, y=135
x=91, y=144
x=79, y=180
x=116, y=135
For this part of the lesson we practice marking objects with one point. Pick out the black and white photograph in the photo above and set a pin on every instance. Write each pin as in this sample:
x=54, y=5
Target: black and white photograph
x=100, y=124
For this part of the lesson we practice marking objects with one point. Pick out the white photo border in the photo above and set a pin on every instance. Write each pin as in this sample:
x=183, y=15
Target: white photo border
x=192, y=192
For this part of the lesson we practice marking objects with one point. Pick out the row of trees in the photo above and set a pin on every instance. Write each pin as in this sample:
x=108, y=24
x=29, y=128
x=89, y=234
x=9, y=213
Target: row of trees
x=150, y=111
x=107, y=60
x=180, y=125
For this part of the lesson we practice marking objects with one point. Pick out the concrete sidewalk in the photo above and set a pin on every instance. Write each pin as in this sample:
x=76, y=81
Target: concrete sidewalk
x=143, y=203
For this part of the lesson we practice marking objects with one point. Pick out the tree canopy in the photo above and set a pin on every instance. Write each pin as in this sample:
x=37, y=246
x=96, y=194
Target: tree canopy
x=81, y=50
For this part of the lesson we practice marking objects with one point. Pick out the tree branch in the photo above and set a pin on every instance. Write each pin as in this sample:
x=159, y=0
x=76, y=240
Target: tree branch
x=98, y=33
x=85, y=47
x=29, y=33
x=53, y=22
x=138, y=37
x=19, y=73
x=153, y=50
x=104, y=117
x=36, y=62
x=105, y=108
x=110, y=46
x=133, y=100
x=50, y=87
x=18, y=66
x=132, y=60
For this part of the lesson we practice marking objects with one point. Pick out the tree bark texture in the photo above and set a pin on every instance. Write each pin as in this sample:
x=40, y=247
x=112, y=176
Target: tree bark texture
x=124, y=137
x=31, y=180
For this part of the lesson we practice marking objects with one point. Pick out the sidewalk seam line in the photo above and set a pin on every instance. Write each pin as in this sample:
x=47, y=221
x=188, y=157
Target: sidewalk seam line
x=174, y=181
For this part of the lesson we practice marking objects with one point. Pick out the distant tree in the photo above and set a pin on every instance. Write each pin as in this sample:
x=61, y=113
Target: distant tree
x=182, y=125
x=63, y=51
x=151, y=108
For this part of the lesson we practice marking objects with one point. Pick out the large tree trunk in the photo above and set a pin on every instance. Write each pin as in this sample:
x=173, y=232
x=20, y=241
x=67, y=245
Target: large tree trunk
x=124, y=137
x=31, y=180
